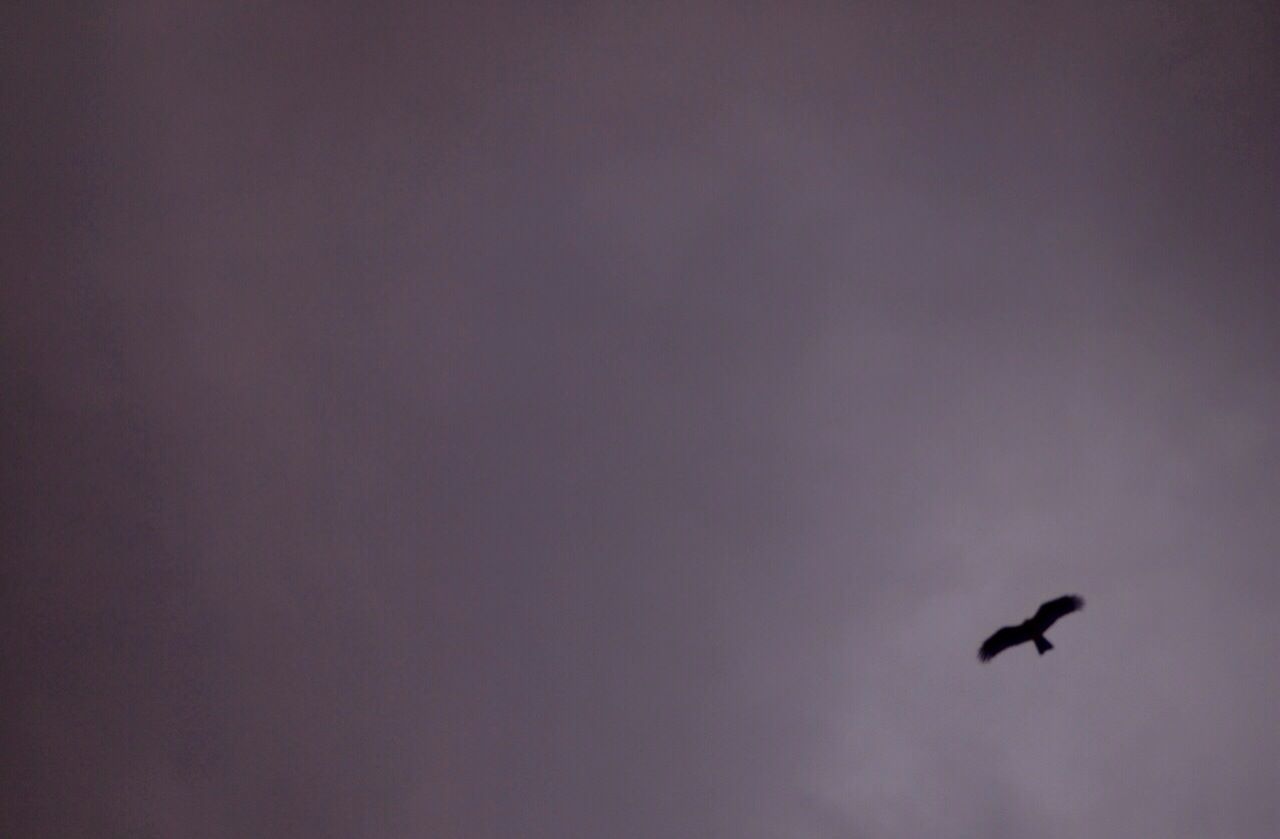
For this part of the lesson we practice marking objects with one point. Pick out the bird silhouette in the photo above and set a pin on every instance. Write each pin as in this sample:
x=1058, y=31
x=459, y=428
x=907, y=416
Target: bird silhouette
x=1032, y=629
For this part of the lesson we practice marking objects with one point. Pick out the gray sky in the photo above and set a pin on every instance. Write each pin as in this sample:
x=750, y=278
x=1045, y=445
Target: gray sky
x=627, y=419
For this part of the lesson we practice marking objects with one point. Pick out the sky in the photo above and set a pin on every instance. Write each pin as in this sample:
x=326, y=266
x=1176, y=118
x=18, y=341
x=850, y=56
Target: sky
x=627, y=419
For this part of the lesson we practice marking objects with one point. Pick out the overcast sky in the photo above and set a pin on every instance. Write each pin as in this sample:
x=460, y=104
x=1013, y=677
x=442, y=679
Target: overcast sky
x=617, y=420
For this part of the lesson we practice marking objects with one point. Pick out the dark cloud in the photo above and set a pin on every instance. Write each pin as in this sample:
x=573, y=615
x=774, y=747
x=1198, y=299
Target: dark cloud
x=626, y=420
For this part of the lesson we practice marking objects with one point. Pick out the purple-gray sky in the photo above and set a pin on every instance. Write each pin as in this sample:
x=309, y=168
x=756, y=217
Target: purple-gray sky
x=627, y=419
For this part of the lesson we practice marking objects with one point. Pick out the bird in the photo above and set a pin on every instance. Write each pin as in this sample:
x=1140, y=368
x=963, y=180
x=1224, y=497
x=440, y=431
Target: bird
x=1031, y=629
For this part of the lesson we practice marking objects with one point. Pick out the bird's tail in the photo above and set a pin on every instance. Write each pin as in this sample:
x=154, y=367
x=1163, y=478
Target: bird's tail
x=1042, y=644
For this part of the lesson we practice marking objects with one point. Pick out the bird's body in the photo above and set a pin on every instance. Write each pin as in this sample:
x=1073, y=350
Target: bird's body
x=1032, y=629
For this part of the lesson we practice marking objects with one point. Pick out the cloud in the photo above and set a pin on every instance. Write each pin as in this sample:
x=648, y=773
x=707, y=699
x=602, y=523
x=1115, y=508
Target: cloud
x=628, y=422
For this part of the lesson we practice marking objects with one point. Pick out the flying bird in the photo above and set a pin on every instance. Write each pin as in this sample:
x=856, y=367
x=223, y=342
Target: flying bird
x=1031, y=629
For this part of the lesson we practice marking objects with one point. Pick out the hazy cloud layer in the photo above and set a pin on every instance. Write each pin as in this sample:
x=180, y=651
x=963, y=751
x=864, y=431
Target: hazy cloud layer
x=626, y=420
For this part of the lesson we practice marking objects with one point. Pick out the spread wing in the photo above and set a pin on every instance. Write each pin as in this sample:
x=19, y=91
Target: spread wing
x=1002, y=640
x=1047, y=614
